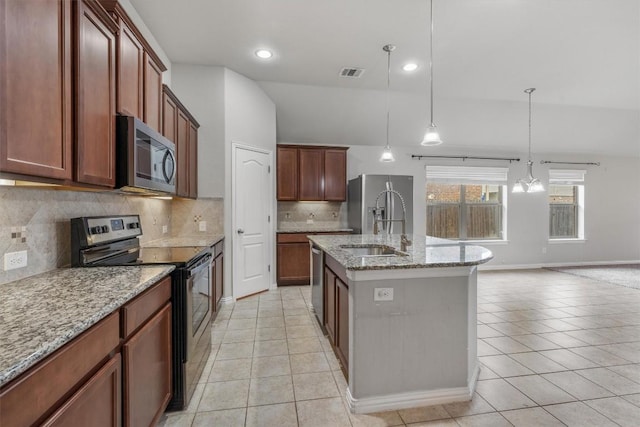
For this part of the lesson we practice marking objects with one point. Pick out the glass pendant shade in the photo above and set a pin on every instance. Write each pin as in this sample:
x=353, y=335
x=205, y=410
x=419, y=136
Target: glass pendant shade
x=518, y=187
x=431, y=137
x=387, y=155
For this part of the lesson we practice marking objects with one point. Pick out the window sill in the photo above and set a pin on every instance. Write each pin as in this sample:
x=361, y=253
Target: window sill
x=561, y=241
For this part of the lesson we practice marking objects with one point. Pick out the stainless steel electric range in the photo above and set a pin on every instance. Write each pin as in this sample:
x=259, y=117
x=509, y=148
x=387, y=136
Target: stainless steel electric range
x=113, y=240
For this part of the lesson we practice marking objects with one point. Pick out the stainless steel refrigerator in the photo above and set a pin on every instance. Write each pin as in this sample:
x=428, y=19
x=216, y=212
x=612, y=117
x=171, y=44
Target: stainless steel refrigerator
x=363, y=191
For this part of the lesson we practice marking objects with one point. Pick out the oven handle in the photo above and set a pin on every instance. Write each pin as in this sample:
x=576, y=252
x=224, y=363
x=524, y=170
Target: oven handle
x=205, y=262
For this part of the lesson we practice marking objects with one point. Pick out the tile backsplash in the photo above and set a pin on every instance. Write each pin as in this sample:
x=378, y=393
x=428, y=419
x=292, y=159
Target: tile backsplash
x=37, y=221
x=329, y=214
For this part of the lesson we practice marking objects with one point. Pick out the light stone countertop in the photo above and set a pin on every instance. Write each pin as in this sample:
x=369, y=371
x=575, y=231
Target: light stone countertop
x=182, y=241
x=310, y=228
x=424, y=252
x=41, y=313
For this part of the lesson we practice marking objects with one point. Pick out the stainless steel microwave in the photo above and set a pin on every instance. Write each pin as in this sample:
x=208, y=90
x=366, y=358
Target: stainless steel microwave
x=145, y=160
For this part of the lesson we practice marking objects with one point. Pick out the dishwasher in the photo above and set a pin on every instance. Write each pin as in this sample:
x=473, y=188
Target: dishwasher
x=317, y=276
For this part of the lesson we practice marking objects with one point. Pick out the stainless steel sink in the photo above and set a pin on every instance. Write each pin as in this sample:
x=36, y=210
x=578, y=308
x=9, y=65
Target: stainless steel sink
x=372, y=250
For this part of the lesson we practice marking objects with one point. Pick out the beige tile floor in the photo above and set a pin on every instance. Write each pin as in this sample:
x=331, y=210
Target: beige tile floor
x=555, y=350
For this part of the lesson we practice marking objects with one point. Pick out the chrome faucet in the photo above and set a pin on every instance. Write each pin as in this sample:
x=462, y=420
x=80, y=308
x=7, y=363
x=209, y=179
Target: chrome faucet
x=377, y=217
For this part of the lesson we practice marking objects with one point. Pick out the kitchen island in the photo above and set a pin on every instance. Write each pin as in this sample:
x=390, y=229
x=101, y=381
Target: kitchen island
x=403, y=323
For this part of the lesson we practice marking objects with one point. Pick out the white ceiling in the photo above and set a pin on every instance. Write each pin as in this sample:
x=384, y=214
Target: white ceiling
x=583, y=56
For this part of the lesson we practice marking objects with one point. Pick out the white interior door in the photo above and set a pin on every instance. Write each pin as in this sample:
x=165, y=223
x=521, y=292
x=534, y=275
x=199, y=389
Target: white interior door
x=252, y=205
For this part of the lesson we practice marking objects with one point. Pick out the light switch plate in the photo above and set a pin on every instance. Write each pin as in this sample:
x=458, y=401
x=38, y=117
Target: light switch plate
x=202, y=225
x=165, y=229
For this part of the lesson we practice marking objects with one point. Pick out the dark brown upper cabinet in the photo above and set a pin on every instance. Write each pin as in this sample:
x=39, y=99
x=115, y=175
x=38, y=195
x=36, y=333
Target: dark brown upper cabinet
x=95, y=94
x=311, y=173
x=139, y=71
x=287, y=173
x=36, y=88
x=179, y=126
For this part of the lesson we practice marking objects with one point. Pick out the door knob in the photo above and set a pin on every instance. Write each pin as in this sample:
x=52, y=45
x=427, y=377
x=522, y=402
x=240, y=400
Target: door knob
x=240, y=231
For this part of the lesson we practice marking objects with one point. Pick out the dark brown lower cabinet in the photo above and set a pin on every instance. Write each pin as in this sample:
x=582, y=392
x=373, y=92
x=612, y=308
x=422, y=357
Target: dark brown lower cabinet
x=98, y=403
x=147, y=371
x=342, y=315
x=330, y=304
x=336, y=313
x=293, y=263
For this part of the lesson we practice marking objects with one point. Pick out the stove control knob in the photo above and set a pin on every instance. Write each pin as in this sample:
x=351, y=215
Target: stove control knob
x=95, y=230
x=105, y=228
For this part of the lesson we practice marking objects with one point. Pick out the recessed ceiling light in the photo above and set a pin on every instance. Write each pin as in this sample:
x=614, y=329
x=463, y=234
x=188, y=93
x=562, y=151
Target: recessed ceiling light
x=264, y=53
x=410, y=66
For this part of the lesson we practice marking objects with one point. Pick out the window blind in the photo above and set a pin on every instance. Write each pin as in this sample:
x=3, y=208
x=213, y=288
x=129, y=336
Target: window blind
x=566, y=176
x=467, y=175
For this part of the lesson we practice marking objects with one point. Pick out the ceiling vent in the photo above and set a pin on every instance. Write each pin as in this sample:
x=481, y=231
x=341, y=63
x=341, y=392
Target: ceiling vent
x=351, y=72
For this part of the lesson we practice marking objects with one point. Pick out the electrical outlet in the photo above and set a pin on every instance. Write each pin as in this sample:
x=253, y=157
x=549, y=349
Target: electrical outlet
x=202, y=225
x=165, y=229
x=383, y=294
x=309, y=221
x=544, y=250
x=13, y=260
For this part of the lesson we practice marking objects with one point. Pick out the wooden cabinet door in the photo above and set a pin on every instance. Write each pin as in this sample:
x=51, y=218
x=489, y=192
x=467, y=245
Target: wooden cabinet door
x=293, y=266
x=287, y=173
x=130, y=58
x=152, y=93
x=36, y=102
x=330, y=304
x=182, y=154
x=311, y=174
x=97, y=403
x=147, y=371
x=342, y=314
x=335, y=175
x=193, y=161
x=169, y=118
x=95, y=97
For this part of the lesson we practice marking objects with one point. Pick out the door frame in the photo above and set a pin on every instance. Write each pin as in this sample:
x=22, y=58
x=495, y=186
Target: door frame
x=270, y=236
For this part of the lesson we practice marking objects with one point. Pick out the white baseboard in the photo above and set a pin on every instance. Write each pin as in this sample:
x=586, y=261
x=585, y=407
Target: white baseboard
x=228, y=300
x=490, y=267
x=273, y=287
x=411, y=399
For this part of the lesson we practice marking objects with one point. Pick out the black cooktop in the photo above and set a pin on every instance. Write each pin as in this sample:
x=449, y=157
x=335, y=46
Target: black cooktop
x=167, y=255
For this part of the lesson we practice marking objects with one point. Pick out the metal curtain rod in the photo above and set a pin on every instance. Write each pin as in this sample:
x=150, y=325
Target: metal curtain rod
x=546, y=162
x=419, y=156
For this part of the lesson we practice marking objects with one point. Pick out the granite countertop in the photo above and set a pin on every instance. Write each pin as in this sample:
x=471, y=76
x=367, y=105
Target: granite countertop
x=424, y=252
x=41, y=313
x=177, y=242
x=311, y=228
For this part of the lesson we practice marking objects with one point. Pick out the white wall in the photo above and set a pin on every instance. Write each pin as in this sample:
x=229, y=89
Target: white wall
x=230, y=108
x=612, y=211
x=250, y=119
x=202, y=90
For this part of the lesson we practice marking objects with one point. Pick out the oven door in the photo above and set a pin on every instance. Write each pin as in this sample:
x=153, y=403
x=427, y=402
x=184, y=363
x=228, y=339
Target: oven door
x=198, y=301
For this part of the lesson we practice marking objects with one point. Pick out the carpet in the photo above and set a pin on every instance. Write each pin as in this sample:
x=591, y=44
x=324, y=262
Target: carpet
x=623, y=275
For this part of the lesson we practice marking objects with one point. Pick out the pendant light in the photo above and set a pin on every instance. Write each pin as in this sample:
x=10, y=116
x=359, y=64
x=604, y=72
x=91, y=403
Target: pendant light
x=387, y=155
x=528, y=184
x=431, y=137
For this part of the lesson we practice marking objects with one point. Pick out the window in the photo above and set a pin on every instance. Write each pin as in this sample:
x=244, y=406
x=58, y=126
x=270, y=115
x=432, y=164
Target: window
x=566, y=202
x=471, y=208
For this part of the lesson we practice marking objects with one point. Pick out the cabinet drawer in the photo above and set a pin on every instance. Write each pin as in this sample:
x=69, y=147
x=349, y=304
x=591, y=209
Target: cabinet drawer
x=45, y=385
x=293, y=237
x=135, y=313
x=97, y=403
